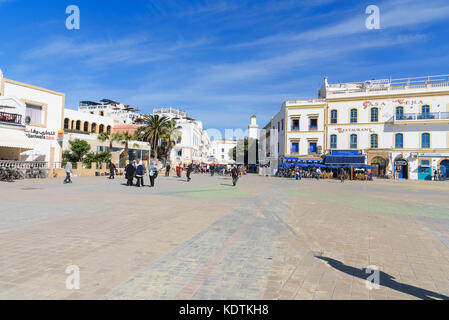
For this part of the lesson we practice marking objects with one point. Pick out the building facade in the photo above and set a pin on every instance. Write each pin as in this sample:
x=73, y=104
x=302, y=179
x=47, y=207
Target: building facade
x=221, y=150
x=401, y=126
x=31, y=120
x=194, y=143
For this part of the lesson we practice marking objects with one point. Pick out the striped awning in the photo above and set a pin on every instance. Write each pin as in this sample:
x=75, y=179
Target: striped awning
x=13, y=138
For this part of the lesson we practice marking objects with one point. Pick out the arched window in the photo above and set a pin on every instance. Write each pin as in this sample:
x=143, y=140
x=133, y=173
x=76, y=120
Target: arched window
x=374, y=141
x=399, y=141
x=66, y=123
x=399, y=113
x=334, y=116
x=101, y=129
x=108, y=130
x=353, y=141
x=374, y=115
x=354, y=116
x=94, y=128
x=333, y=142
x=86, y=127
x=78, y=125
x=425, y=140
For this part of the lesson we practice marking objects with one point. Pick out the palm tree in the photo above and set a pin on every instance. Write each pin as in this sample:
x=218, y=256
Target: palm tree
x=153, y=130
x=171, y=135
x=109, y=137
x=125, y=139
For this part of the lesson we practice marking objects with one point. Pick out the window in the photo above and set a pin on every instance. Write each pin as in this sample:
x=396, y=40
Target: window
x=86, y=126
x=425, y=140
x=333, y=141
x=353, y=141
x=425, y=112
x=312, y=147
x=66, y=123
x=399, y=113
x=78, y=125
x=334, y=115
x=101, y=128
x=354, y=115
x=313, y=124
x=108, y=129
x=34, y=114
x=374, y=141
x=295, y=124
x=399, y=141
x=374, y=115
x=179, y=153
x=295, y=147
x=94, y=128
x=279, y=126
x=222, y=150
x=282, y=125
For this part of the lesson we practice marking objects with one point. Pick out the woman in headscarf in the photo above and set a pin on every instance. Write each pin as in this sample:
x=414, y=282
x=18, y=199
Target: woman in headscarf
x=129, y=173
x=139, y=173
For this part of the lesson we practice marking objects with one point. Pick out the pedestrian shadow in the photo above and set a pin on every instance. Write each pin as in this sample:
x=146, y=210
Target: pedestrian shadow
x=226, y=185
x=386, y=280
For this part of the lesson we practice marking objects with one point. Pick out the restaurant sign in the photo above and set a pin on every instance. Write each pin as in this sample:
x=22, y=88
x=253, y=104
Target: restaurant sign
x=37, y=134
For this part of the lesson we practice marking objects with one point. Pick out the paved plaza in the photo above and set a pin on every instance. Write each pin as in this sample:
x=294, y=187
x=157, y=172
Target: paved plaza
x=268, y=238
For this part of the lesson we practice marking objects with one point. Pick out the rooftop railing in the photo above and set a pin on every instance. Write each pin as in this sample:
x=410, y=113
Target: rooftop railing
x=439, y=81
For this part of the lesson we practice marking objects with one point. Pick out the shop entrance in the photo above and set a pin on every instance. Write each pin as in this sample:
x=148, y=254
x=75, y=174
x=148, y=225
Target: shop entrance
x=444, y=166
x=401, y=169
x=381, y=166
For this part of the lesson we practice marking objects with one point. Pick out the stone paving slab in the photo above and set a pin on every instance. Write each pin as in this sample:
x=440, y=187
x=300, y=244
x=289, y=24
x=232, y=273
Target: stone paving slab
x=268, y=238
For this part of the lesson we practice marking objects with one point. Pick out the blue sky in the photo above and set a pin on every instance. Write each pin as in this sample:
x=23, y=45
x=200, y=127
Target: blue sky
x=222, y=61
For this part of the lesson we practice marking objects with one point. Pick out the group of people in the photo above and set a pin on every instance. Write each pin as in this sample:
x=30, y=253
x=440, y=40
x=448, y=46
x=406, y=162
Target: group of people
x=136, y=169
x=438, y=175
x=297, y=173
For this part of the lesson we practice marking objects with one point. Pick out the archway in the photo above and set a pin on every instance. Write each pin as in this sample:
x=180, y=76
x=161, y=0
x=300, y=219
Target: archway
x=444, y=167
x=381, y=166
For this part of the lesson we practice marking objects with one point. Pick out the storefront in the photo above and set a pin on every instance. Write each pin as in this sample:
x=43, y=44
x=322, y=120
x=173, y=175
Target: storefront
x=431, y=162
x=401, y=169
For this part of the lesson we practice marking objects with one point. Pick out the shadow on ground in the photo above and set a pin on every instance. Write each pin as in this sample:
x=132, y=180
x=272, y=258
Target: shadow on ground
x=386, y=280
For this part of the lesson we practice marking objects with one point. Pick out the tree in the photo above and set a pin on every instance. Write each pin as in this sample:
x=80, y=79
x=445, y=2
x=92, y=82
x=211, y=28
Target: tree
x=170, y=136
x=79, y=149
x=98, y=157
x=104, y=136
x=244, y=145
x=125, y=138
x=152, y=131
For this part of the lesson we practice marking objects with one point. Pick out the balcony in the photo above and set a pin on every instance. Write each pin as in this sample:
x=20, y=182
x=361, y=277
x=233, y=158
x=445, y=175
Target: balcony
x=421, y=116
x=10, y=118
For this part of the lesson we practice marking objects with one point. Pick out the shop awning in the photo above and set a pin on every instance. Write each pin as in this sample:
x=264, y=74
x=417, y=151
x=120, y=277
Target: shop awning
x=13, y=138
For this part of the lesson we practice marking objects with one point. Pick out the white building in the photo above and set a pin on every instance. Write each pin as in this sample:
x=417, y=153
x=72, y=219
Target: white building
x=119, y=112
x=221, y=150
x=401, y=126
x=194, y=145
x=31, y=120
x=87, y=126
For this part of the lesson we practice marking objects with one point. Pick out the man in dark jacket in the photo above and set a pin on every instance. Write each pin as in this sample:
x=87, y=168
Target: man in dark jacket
x=111, y=170
x=235, y=175
x=342, y=175
x=167, y=170
x=129, y=173
x=189, y=171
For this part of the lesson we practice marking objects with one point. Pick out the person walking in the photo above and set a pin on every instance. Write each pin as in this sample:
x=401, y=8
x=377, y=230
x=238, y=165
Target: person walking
x=167, y=170
x=297, y=174
x=342, y=175
x=235, y=175
x=212, y=170
x=318, y=174
x=153, y=174
x=189, y=171
x=139, y=173
x=111, y=170
x=130, y=171
x=68, y=171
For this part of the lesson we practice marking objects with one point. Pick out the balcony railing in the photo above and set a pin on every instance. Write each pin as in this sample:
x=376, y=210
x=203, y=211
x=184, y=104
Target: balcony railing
x=12, y=118
x=422, y=116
